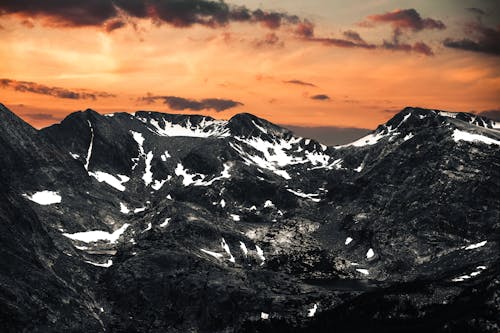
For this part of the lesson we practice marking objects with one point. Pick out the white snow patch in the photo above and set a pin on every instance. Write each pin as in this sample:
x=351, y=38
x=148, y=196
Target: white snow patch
x=158, y=184
x=140, y=142
x=243, y=248
x=310, y=196
x=165, y=155
x=312, y=311
x=150, y=225
x=268, y=204
x=213, y=254
x=44, y=198
x=348, y=240
x=98, y=235
x=225, y=247
x=139, y=210
x=222, y=203
x=106, y=265
x=260, y=254
x=113, y=181
x=164, y=224
x=235, y=217
x=464, y=277
x=408, y=137
x=169, y=197
x=148, y=175
x=459, y=135
x=264, y=315
x=363, y=271
x=123, y=208
x=89, y=151
x=370, y=254
x=206, y=128
x=75, y=156
x=198, y=179
x=475, y=246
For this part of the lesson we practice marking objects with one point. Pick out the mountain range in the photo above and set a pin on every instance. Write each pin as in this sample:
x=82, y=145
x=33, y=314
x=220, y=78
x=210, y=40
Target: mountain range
x=155, y=222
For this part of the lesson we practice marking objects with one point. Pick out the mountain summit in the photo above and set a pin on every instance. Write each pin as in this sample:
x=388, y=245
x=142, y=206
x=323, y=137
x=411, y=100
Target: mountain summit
x=154, y=222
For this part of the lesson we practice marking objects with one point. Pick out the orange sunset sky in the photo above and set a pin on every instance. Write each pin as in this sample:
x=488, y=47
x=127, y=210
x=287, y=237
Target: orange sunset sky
x=316, y=63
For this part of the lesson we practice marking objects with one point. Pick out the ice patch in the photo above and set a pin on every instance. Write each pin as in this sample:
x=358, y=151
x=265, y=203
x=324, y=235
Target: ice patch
x=75, y=156
x=264, y=315
x=235, y=217
x=116, y=182
x=222, y=203
x=475, y=246
x=348, y=240
x=44, y=198
x=459, y=135
x=98, y=235
x=370, y=254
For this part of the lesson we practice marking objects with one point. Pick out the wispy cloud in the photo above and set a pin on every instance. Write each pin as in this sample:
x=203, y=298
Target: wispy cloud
x=300, y=83
x=37, y=88
x=481, y=39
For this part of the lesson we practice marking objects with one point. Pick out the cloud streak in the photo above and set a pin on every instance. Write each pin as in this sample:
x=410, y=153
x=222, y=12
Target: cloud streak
x=112, y=14
x=320, y=97
x=404, y=19
x=484, y=40
x=180, y=103
x=36, y=88
x=300, y=83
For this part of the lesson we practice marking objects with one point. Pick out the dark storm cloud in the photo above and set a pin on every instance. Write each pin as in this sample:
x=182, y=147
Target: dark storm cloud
x=491, y=114
x=329, y=135
x=36, y=88
x=404, y=19
x=183, y=13
x=300, y=83
x=484, y=40
x=320, y=97
x=180, y=103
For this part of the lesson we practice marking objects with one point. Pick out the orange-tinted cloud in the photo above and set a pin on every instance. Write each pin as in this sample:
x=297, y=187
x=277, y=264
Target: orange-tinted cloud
x=36, y=88
x=405, y=19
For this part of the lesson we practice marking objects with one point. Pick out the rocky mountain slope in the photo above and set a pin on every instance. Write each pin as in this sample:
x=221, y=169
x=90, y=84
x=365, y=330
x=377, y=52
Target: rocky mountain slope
x=152, y=222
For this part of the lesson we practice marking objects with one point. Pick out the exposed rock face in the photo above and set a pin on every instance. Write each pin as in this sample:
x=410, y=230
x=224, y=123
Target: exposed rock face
x=172, y=223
